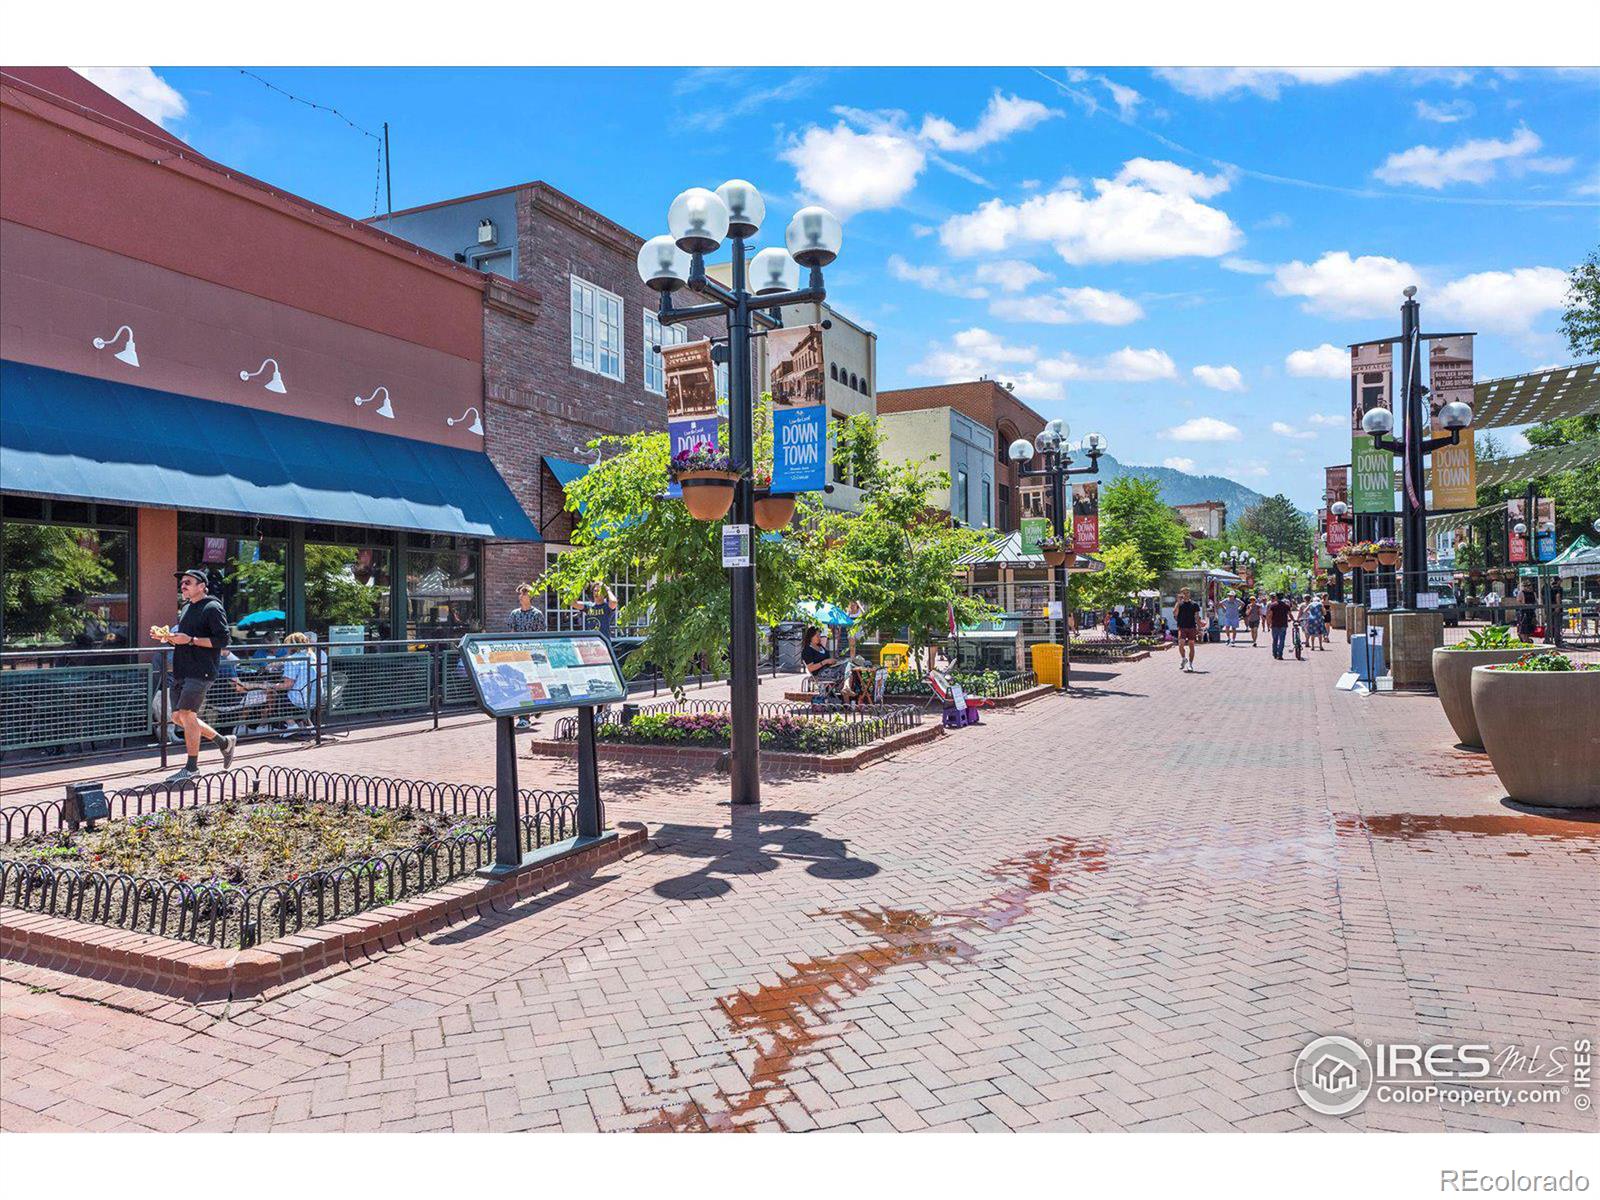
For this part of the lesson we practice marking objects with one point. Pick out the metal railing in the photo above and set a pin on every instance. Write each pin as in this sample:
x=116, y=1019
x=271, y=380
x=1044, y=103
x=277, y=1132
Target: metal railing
x=803, y=728
x=218, y=913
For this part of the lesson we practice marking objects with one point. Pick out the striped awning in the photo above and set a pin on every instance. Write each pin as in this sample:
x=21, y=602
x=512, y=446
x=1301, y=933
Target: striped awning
x=1537, y=396
x=1535, y=464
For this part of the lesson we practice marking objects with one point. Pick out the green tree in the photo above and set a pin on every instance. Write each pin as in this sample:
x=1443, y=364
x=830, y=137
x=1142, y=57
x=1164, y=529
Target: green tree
x=1132, y=512
x=333, y=594
x=1124, y=576
x=49, y=572
x=1279, y=524
x=1581, y=321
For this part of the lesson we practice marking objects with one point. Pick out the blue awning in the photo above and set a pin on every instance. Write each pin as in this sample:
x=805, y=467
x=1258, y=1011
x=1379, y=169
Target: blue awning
x=564, y=471
x=94, y=439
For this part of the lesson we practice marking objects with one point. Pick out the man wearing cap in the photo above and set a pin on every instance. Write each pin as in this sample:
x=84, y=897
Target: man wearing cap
x=197, y=641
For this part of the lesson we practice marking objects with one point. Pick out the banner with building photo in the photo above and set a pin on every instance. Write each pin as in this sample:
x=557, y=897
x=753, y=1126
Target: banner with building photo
x=1086, y=518
x=1336, y=487
x=1516, y=543
x=1544, y=532
x=1371, y=469
x=691, y=383
x=797, y=378
x=1455, y=468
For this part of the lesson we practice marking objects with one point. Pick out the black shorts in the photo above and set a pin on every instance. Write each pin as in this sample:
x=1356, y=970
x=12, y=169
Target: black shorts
x=189, y=695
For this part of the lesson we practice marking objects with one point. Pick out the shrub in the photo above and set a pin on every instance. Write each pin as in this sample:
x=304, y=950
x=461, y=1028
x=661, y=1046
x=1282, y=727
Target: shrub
x=1494, y=637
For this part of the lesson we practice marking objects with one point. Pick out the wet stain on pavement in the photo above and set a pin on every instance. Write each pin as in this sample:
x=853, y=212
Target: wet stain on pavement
x=1462, y=766
x=1421, y=827
x=784, y=1021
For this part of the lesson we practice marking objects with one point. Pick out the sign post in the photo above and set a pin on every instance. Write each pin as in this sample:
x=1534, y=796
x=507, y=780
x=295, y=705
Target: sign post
x=517, y=675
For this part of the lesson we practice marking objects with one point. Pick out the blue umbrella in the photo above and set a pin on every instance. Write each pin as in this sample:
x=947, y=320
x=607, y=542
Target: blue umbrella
x=825, y=614
x=263, y=617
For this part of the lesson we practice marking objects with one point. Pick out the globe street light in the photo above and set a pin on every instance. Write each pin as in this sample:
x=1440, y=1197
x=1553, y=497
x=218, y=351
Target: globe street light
x=698, y=221
x=1051, y=443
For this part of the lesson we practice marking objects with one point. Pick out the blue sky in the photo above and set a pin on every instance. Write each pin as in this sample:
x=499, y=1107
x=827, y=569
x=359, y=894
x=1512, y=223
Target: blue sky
x=1160, y=256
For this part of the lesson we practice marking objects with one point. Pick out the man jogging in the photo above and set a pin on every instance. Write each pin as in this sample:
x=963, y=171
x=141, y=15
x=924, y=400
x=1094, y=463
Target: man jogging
x=1278, y=622
x=197, y=642
x=1187, y=615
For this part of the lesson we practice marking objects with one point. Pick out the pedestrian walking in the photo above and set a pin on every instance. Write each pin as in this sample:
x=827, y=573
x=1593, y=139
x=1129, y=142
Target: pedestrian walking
x=1252, y=617
x=197, y=641
x=1186, y=614
x=525, y=618
x=1317, y=622
x=1278, y=614
x=1232, y=610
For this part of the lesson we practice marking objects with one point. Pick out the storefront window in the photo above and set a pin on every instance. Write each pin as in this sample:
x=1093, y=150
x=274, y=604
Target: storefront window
x=66, y=586
x=347, y=587
x=624, y=585
x=248, y=575
x=442, y=589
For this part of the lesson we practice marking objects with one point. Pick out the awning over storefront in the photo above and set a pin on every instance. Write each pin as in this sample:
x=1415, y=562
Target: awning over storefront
x=564, y=471
x=94, y=439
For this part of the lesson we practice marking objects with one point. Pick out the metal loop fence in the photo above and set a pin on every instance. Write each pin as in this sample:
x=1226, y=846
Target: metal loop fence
x=219, y=913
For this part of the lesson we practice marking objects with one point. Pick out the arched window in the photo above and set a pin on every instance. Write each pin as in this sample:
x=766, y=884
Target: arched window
x=833, y=370
x=854, y=386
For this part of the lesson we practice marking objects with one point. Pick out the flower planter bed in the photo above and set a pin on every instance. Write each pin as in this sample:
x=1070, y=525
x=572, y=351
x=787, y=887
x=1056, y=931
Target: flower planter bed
x=772, y=762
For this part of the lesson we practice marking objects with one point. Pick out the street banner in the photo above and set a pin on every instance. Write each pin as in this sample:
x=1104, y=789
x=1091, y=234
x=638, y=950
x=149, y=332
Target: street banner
x=796, y=372
x=1336, y=487
x=1455, y=468
x=1034, y=530
x=1516, y=544
x=691, y=381
x=1545, y=531
x=1371, y=469
x=1086, y=518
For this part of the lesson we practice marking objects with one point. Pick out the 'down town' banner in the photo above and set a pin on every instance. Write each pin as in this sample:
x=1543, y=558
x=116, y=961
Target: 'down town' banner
x=1371, y=469
x=799, y=418
x=1545, y=530
x=1455, y=468
x=1086, y=518
x=1336, y=486
x=691, y=379
x=1034, y=530
x=1516, y=543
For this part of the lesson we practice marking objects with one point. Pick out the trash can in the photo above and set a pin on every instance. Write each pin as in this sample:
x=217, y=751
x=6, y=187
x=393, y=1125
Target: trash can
x=1047, y=663
x=894, y=650
x=788, y=638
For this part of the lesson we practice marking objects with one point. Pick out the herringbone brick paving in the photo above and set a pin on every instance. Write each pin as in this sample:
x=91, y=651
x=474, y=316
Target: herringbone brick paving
x=1130, y=908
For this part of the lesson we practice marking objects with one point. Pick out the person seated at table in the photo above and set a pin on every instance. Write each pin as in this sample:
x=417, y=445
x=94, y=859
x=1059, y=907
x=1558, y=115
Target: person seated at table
x=820, y=663
x=298, y=690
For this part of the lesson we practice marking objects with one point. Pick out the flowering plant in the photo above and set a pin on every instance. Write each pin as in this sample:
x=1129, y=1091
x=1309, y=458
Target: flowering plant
x=1544, y=660
x=1385, y=543
x=703, y=456
x=1052, y=543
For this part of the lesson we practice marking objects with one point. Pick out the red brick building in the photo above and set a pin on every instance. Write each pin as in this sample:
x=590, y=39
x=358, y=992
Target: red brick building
x=993, y=406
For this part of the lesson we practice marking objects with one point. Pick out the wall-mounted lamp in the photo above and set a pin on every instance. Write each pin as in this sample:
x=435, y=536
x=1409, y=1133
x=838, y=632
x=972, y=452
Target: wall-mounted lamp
x=476, y=426
x=385, y=409
x=129, y=353
x=275, y=384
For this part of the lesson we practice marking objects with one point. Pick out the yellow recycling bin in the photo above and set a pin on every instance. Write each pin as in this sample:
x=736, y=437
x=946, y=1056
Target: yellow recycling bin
x=898, y=652
x=1047, y=663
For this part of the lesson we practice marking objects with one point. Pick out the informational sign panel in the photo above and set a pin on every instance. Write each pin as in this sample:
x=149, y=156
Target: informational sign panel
x=1545, y=531
x=1034, y=530
x=736, y=545
x=1336, y=487
x=1086, y=518
x=346, y=639
x=518, y=674
x=1371, y=469
x=1374, y=636
x=1455, y=468
x=1427, y=599
x=1377, y=597
x=691, y=383
x=1516, y=543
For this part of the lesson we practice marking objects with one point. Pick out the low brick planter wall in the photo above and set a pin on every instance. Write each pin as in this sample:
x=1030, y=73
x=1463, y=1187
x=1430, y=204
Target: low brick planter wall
x=206, y=973
x=774, y=760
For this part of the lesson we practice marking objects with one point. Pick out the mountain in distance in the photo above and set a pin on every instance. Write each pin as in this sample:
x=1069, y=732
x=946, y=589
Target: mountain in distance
x=1179, y=487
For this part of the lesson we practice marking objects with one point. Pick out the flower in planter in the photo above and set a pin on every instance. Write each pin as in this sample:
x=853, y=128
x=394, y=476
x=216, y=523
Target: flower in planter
x=703, y=456
x=1052, y=544
x=1545, y=660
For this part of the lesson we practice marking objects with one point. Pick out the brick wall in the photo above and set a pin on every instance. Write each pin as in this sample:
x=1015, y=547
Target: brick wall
x=536, y=401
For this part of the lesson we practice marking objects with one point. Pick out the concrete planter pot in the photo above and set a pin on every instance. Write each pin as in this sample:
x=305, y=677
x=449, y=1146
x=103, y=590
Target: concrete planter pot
x=1452, y=679
x=1542, y=732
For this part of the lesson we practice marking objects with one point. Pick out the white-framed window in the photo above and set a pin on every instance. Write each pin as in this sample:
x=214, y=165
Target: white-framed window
x=655, y=334
x=564, y=618
x=596, y=329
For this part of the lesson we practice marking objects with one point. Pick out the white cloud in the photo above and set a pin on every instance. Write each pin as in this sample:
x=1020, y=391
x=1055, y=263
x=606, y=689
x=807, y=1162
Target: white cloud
x=1244, y=266
x=975, y=352
x=1203, y=429
x=1327, y=361
x=1328, y=420
x=1223, y=379
x=1178, y=463
x=1152, y=210
x=1447, y=113
x=1254, y=470
x=1283, y=429
x=1069, y=306
x=141, y=89
x=851, y=172
x=1340, y=286
x=1135, y=366
x=1010, y=274
x=1004, y=116
x=934, y=278
x=1209, y=83
x=1476, y=161
x=1505, y=301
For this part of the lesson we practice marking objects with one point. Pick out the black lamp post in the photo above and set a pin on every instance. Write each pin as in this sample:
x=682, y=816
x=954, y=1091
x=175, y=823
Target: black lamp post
x=1057, y=467
x=699, y=220
x=1412, y=446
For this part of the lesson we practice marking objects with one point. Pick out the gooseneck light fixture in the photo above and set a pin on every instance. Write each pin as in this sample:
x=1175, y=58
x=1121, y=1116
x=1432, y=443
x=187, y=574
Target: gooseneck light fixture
x=129, y=353
x=476, y=426
x=275, y=384
x=698, y=222
x=386, y=409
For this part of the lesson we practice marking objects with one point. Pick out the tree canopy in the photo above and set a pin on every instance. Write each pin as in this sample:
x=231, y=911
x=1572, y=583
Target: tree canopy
x=1581, y=320
x=1279, y=525
x=1132, y=512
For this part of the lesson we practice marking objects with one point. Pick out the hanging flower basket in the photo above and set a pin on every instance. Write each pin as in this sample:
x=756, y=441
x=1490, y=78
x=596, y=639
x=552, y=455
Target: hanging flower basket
x=1056, y=553
x=1388, y=552
x=707, y=478
x=774, y=510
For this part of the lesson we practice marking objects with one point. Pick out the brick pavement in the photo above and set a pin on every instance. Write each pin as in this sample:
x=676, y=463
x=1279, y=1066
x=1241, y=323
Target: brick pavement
x=1127, y=909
